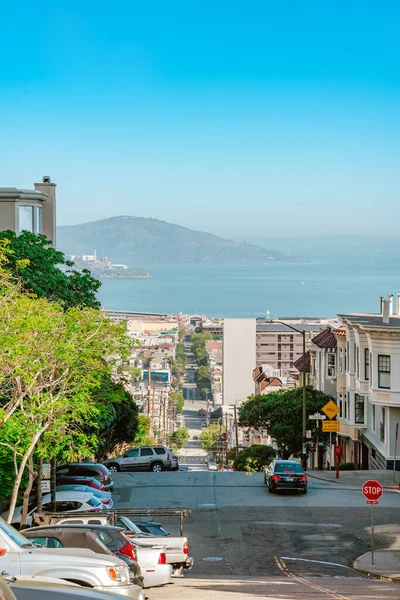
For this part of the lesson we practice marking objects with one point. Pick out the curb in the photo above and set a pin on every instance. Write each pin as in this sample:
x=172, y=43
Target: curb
x=394, y=488
x=372, y=575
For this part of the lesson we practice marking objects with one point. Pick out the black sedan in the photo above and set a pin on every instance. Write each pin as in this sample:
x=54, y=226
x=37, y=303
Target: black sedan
x=285, y=475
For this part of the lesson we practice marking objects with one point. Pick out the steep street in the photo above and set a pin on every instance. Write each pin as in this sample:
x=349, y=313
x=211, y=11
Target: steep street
x=248, y=543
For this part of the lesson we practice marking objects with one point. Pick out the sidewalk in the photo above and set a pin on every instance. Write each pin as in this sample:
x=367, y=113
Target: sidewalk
x=357, y=478
x=386, y=564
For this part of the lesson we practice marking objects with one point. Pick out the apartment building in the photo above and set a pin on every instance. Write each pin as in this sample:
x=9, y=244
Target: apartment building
x=372, y=370
x=30, y=210
x=239, y=357
x=280, y=346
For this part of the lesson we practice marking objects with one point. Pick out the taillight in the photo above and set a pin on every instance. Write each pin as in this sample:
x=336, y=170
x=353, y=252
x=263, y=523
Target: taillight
x=168, y=458
x=104, y=476
x=107, y=501
x=127, y=549
x=275, y=477
x=162, y=560
x=303, y=478
x=185, y=548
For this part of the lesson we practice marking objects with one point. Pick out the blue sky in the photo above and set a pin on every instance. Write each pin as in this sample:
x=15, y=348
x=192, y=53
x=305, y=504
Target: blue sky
x=239, y=118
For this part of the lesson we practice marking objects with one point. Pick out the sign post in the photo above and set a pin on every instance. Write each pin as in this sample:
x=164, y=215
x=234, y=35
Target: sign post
x=395, y=452
x=317, y=417
x=338, y=454
x=372, y=491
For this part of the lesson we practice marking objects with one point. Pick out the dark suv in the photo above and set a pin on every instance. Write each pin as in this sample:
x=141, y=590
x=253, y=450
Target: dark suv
x=285, y=475
x=75, y=472
x=146, y=458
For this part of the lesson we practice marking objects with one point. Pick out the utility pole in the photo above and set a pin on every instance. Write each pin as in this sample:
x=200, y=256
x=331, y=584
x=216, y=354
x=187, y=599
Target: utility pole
x=236, y=430
x=149, y=388
x=226, y=439
x=304, y=403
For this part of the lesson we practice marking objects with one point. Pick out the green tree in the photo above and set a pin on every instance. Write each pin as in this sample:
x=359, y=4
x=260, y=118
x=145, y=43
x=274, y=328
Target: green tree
x=179, y=438
x=180, y=351
x=143, y=436
x=178, y=401
x=199, y=346
x=211, y=438
x=202, y=378
x=254, y=458
x=280, y=415
x=41, y=273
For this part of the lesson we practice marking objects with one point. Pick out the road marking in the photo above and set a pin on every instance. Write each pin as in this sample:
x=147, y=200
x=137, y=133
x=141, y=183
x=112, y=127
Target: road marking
x=213, y=558
x=319, y=562
x=282, y=566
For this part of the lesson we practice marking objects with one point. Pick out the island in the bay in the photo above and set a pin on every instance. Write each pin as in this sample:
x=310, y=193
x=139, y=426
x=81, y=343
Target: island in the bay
x=103, y=268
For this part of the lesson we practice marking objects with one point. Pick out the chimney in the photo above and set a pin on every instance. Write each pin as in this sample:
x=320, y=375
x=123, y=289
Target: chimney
x=49, y=208
x=386, y=309
x=398, y=305
x=390, y=298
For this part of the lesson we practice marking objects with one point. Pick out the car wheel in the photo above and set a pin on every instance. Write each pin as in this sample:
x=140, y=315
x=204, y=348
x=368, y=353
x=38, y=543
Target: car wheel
x=157, y=467
x=305, y=491
x=271, y=489
x=114, y=468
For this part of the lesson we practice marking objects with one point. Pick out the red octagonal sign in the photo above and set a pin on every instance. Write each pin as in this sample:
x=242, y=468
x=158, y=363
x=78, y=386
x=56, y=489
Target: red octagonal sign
x=372, y=490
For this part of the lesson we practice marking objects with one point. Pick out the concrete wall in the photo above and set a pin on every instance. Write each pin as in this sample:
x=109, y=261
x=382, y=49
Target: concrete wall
x=239, y=359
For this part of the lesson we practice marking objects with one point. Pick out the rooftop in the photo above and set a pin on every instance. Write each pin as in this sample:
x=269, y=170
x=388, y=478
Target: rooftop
x=373, y=321
x=325, y=339
x=281, y=328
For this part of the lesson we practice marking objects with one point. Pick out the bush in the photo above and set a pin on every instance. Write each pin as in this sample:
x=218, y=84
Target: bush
x=346, y=466
x=254, y=458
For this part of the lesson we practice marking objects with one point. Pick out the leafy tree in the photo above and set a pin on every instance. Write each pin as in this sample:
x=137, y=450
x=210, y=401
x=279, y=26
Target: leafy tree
x=280, y=414
x=143, y=436
x=41, y=273
x=180, y=351
x=211, y=438
x=254, y=458
x=202, y=378
x=179, y=438
x=199, y=346
x=178, y=401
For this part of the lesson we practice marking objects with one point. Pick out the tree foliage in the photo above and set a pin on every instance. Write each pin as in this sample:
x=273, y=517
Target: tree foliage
x=179, y=438
x=178, y=401
x=280, y=415
x=199, y=346
x=202, y=378
x=41, y=274
x=143, y=436
x=211, y=438
x=254, y=458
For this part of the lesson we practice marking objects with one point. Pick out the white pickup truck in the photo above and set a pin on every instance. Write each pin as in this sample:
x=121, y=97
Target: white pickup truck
x=176, y=548
x=84, y=567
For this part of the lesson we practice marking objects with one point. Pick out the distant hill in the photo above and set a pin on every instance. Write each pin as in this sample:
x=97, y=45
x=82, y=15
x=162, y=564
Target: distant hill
x=136, y=241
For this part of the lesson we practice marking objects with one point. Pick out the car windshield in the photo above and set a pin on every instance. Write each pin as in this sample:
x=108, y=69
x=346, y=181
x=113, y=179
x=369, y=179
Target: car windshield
x=282, y=467
x=12, y=533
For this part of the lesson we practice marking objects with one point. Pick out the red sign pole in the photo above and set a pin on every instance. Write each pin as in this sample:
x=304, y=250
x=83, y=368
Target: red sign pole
x=338, y=454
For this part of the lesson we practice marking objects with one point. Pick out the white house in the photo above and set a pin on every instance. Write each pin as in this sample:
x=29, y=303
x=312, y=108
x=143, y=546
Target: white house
x=371, y=402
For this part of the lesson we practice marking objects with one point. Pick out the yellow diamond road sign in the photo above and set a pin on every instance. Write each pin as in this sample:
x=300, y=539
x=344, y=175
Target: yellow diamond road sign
x=331, y=409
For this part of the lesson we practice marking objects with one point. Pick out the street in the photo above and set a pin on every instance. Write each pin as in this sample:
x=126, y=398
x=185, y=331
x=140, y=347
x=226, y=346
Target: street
x=253, y=544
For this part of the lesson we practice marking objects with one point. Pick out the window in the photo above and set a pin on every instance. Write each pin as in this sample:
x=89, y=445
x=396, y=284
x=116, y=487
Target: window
x=25, y=219
x=331, y=365
x=359, y=409
x=105, y=537
x=383, y=425
x=146, y=452
x=366, y=364
x=340, y=405
x=39, y=219
x=159, y=450
x=67, y=506
x=370, y=367
x=357, y=362
x=132, y=453
x=347, y=400
x=373, y=417
x=384, y=371
x=95, y=502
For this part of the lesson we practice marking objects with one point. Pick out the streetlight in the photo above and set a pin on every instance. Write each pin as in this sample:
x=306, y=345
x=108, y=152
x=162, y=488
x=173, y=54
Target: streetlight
x=303, y=333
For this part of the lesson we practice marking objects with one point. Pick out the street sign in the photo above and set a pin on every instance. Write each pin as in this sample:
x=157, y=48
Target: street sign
x=372, y=490
x=331, y=409
x=317, y=417
x=46, y=471
x=45, y=486
x=338, y=450
x=308, y=433
x=330, y=426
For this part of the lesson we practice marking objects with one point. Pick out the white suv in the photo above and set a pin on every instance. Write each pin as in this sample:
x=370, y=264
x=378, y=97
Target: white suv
x=146, y=458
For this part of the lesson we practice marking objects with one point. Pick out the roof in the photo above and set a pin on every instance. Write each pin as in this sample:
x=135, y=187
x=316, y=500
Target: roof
x=281, y=328
x=340, y=331
x=372, y=320
x=258, y=373
x=304, y=359
x=325, y=339
x=270, y=381
x=14, y=194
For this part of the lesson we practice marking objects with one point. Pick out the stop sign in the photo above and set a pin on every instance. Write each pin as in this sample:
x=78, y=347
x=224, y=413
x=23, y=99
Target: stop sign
x=372, y=490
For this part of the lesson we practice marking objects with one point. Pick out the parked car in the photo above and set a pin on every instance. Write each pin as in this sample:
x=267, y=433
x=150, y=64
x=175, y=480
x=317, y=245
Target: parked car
x=146, y=458
x=208, y=458
x=82, y=470
x=175, y=548
x=174, y=461
x=104, y=497
x=65, y=502
x=91, y=482
x=95, y=571
x=102, y=540
x=46, y=588
x=151, y=527
x=227, y=469
x=285, y=475
x=212, y=465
